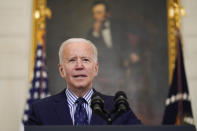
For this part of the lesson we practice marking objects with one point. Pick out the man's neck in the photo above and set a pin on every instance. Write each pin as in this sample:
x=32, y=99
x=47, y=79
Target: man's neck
x=79, y=92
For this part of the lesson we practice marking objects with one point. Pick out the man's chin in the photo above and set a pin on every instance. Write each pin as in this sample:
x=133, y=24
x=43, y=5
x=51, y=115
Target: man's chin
x=81, y=86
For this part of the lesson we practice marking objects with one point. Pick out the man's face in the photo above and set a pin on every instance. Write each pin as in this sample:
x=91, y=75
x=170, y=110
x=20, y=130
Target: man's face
x=78, y=66
x=99, y=12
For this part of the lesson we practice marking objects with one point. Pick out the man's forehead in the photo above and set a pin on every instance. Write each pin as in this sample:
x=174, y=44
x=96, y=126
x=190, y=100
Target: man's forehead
x=78, y=56
x=77, y=44
x=78, y=49
x=99, y=7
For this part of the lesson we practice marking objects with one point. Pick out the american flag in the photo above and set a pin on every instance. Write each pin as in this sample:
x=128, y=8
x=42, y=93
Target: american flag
x=39, y=84
x=178, y=105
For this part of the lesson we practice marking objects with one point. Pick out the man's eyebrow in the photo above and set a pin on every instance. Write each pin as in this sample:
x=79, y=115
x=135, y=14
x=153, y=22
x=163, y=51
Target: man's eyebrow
x=67, y=58
x=87, y=57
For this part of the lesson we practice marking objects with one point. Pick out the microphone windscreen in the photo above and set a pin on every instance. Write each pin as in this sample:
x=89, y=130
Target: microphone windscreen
x=96, y=100
x=120, y=93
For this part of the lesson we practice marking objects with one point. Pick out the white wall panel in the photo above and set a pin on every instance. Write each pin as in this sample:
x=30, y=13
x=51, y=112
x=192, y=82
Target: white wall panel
x=15, y=41
x=189, y=32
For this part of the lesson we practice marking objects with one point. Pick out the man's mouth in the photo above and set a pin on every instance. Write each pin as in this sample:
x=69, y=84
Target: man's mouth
x=80, y=76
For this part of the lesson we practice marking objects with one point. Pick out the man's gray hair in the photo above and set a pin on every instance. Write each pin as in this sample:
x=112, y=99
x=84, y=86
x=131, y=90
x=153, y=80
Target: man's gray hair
x=77, y=40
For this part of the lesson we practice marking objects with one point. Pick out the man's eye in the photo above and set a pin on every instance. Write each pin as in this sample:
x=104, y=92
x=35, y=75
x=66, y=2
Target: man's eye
x=85, y=59
x=71, y=60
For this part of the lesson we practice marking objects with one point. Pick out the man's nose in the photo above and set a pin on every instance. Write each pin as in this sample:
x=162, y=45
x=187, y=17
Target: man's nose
x=79, y=65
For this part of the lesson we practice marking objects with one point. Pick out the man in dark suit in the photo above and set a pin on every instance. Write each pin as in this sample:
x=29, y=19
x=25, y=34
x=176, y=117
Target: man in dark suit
x=78, y=66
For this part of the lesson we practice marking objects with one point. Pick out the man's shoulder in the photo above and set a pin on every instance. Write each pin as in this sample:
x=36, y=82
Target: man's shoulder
x=50, y=99
x=107, y=97
x=104, y=96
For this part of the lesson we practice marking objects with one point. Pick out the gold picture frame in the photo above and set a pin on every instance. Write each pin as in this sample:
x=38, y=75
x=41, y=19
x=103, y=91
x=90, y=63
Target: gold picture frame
x=41, y=12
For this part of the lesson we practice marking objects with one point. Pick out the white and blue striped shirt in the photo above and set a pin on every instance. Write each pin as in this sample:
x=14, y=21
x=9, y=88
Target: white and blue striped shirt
x=71, y=99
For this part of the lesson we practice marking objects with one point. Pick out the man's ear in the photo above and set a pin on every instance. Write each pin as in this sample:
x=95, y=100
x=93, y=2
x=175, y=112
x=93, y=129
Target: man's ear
x=96, y=69
x=61, y=70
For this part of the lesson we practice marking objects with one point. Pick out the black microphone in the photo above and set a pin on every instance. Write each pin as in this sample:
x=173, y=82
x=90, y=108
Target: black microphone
x=121, y=103
x=97, y=105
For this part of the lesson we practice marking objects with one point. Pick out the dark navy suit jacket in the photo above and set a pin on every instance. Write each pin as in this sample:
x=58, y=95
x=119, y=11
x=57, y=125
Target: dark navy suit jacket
x=54, y=110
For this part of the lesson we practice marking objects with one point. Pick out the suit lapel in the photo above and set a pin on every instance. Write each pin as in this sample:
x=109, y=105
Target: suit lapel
x=62, y=110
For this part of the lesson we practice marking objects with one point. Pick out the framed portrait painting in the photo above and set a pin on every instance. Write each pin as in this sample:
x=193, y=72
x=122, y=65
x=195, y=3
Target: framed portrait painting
x=131, y=38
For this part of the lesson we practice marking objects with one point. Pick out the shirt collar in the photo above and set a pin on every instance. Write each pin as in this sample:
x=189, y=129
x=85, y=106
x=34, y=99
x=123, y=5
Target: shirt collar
x=71, y=97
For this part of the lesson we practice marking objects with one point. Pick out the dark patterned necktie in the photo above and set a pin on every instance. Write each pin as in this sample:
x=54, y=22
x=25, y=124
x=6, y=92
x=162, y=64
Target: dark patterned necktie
x=80, y=115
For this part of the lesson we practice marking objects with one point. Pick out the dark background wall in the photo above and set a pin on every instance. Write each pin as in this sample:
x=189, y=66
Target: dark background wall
x=146, y=81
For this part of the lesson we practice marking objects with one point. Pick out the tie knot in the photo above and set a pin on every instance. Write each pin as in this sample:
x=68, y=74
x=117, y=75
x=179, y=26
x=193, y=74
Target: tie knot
x=80, y=101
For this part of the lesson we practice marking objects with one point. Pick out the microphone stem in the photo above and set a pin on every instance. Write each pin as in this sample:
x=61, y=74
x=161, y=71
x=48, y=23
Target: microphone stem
x=108, y=119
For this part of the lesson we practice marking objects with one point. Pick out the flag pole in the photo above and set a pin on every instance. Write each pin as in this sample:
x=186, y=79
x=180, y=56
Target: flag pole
x=178, y=104
x=38, y=77
x=39, y=14
x=175, y=11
